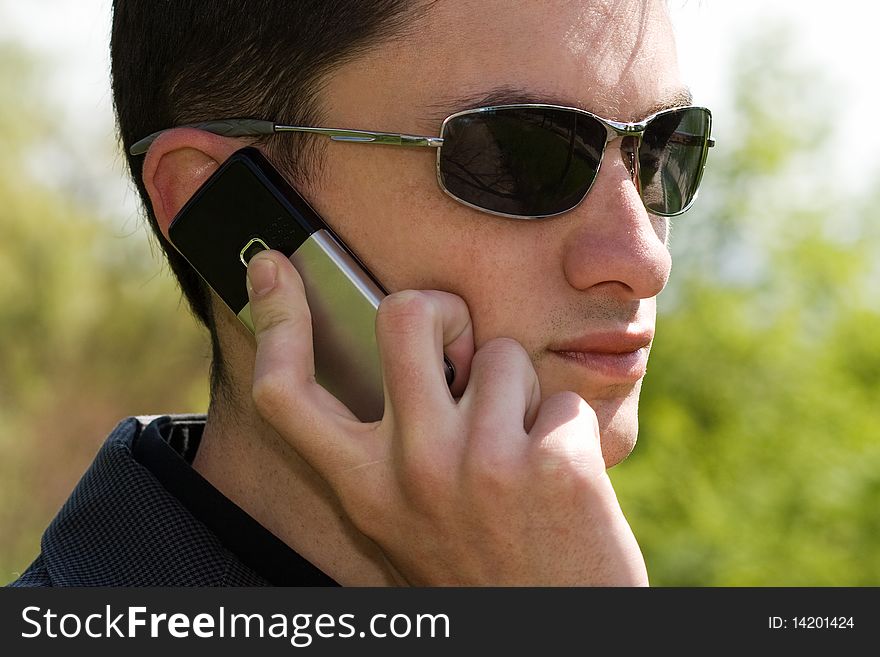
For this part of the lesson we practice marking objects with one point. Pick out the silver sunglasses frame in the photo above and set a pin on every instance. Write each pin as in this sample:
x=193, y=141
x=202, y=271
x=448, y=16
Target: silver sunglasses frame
x=615, y=129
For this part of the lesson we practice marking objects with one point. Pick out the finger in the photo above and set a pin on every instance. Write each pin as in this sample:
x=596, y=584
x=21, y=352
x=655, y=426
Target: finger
x=566, y=429
x=284, y=389
x=503, y=395
x=413, y=329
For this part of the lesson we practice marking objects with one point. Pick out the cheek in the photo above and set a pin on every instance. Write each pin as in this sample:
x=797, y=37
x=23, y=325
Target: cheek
x=387, y=207
x=508, y=285
x=379, y=200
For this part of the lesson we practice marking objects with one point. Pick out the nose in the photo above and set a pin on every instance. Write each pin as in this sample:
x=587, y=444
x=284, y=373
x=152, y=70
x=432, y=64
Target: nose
x=613, y=240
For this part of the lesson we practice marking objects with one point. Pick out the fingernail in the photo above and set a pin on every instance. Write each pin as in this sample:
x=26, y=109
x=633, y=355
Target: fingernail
x=261, y=275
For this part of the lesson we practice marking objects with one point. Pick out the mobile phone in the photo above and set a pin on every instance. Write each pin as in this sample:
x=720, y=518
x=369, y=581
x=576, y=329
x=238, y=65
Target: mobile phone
x=247, y=206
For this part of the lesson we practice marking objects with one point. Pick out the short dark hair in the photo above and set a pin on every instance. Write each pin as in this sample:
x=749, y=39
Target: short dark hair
x=183, y=61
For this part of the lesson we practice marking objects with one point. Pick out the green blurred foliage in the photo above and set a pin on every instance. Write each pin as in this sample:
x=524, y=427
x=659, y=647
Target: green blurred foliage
x=758, y=461
x=91, y=332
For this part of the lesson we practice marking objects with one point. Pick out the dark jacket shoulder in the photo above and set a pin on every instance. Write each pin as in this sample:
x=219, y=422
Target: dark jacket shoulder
x=121, y=527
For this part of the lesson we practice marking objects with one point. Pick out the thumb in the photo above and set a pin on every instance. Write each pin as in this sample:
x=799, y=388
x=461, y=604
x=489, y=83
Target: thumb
x=281, y=317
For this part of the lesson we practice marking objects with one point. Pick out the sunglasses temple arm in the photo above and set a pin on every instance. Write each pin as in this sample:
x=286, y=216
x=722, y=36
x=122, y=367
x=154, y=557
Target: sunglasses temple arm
x=225, y=128
x=259, y=128
x=366, y=136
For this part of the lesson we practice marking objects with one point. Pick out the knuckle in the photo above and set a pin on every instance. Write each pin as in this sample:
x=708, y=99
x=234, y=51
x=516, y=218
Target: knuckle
x=449, y=302
x=571, y=451
x=278, y=316
x=271, y=394
x=271, y=318
x=404, y=312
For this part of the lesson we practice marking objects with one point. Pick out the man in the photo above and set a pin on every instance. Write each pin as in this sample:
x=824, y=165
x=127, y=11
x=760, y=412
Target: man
x=544, y=302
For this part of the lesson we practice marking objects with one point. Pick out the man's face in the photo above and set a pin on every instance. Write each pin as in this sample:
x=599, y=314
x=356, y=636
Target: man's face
x=573, y=289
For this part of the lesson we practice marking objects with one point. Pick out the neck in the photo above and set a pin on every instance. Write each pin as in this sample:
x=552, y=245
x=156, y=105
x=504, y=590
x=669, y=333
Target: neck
x=253, y=466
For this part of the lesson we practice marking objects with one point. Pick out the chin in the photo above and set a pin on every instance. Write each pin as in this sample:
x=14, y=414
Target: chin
x=618, y=426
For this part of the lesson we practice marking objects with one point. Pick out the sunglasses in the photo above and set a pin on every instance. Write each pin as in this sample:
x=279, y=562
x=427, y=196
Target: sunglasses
x=530, y=161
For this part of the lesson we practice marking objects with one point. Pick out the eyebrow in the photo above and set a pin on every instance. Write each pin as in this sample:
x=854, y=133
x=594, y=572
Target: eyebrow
x=438, y=111
x=681, y=97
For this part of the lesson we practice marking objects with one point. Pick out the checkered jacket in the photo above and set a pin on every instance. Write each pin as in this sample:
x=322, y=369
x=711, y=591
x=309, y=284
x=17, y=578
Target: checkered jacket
x=120, y=527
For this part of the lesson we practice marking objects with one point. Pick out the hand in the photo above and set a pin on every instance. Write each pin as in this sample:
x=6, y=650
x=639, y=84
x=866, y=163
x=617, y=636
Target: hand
x=480, y=485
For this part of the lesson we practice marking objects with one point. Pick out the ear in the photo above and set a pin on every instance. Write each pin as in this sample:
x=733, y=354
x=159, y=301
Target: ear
x=177, y=164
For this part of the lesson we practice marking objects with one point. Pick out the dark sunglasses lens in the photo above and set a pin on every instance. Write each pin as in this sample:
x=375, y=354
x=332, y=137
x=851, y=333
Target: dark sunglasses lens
x=671, y=159
x=526, y=162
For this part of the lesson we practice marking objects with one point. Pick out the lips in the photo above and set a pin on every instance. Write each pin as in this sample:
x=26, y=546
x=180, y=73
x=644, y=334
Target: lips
x=617, y=356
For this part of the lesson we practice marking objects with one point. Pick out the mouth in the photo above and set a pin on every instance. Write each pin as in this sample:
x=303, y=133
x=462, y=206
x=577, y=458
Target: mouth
x=618, y=357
